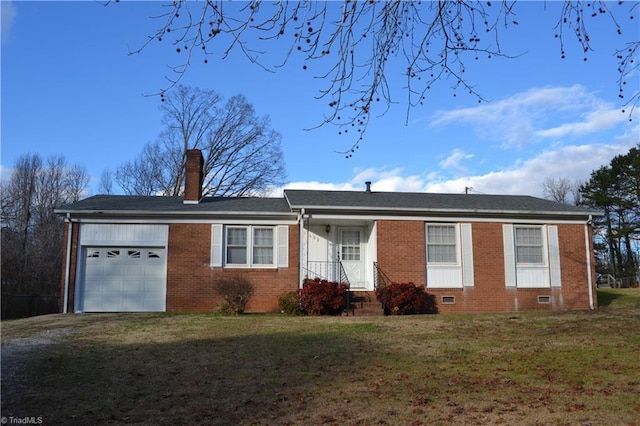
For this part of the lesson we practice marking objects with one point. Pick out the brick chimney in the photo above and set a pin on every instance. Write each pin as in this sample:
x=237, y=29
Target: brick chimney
x=193, y=177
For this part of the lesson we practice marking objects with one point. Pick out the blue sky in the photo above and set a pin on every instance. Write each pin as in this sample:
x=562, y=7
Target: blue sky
x=70, y=87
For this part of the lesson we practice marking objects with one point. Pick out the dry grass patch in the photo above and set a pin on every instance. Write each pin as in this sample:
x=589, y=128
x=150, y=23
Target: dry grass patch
x=560, y=368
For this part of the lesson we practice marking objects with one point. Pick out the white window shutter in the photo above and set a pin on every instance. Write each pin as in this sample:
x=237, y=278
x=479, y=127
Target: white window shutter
x=467, y=255
x=554, y=256
x=216, y=245
x=509, y=256
x=283, y=246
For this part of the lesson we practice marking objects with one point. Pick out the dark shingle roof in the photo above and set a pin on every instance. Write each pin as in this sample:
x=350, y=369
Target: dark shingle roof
x=427, y=203
x=133, y=204
x=329, y=202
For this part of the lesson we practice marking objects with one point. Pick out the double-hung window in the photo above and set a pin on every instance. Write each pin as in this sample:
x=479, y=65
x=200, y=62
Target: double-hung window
x=531, y=256
x=249, y=246
x=529, y=245
x=262, y=246
x=237, y=247
x=449, y=255
x=441, y=244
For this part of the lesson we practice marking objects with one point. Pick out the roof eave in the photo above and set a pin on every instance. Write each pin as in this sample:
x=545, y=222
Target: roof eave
x=469, y=212
x=130, y=213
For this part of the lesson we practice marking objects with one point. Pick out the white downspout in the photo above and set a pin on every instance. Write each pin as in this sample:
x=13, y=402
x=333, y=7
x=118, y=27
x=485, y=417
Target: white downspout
x=300, y=247
x=590, y=278
x=68, y=265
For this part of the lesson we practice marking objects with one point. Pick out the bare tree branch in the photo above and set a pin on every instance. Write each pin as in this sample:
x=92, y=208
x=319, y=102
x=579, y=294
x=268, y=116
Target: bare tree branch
x=242, y=154
x=31, y=231
x=354, y=46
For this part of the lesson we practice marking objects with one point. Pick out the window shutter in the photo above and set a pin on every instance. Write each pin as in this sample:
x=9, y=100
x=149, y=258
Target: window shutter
x=283, y=246
x=509, y=256
x=554, y=256
x=216, y=245
x=467, y=255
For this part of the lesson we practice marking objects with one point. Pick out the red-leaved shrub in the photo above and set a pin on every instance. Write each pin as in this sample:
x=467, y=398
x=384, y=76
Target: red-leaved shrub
x=406, y=299
x=322, y=297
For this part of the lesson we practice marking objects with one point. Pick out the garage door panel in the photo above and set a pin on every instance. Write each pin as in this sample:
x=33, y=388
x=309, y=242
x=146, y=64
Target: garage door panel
x=153, y=273
x=133, y=271
x=111, y=285
x=135, y=287
x=132, y=305
x=124, y=279
x=151, y=302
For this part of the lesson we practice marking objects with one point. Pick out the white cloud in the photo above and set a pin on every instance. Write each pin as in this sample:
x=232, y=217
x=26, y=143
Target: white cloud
x=575, y=162
x=382, y=180
x=550, y=112
x=5, y=173
x=452, y=162
x=8, y=15
x=593, y=122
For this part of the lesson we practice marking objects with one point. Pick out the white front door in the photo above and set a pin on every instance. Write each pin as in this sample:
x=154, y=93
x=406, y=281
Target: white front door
x=352, y=256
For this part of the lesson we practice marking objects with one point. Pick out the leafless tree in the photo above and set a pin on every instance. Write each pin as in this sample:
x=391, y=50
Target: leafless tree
x=355, y=45
x=242, y=154
x=561, y=189
x=31, y=231
x=106, y=182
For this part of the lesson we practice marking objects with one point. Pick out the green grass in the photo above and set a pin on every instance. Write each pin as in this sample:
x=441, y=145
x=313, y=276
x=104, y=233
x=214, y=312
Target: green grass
x=618, y=296
x=524, y=368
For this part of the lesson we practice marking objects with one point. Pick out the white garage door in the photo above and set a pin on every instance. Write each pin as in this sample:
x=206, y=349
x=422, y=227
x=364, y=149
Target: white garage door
x=118, y=279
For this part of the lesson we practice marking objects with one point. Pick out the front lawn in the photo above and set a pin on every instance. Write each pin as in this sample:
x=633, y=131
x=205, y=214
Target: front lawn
x=523, y=368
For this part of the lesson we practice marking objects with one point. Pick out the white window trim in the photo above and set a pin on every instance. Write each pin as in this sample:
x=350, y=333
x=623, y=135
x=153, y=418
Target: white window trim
x=550, y=267
x=544, y=248
x=280, y=246
x=456, y=227
x=462, y=267
x=250, y=245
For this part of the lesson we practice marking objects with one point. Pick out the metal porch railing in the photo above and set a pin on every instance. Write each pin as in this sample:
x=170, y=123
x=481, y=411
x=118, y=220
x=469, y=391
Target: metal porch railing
x=380, y=279
x=330, y=271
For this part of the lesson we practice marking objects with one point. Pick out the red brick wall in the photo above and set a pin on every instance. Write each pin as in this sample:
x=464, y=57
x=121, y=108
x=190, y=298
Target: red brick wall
x=193, y=175
x=190, y=278
x=401, y=250
x=401, y=256
x=575, y=277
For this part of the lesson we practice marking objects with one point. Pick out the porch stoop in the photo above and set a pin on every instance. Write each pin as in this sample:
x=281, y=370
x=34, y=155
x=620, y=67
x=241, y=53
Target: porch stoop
x=364, y=303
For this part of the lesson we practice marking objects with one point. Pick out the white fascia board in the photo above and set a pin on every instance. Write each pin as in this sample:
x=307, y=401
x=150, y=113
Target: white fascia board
x=447, y=219
x=151, y=220
x=317, y=210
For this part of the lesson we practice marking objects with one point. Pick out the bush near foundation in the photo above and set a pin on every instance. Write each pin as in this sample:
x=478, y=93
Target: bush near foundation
x=406, y=299
x=235, y=293
x=322, y=297
x=289, y=303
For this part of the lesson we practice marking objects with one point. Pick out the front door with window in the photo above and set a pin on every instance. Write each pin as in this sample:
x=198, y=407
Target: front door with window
x=352, y=256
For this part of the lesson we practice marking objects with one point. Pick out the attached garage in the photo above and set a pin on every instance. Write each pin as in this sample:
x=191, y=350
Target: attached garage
x=123, y=268
x=124, y=279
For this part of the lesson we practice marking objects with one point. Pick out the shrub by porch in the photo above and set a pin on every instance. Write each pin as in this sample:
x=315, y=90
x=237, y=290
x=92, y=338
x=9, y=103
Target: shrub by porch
x=406, y=299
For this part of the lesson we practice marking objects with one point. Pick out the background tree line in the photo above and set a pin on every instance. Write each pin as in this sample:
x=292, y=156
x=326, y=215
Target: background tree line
x=614, y=189
x=32, y=234
x=242, y=154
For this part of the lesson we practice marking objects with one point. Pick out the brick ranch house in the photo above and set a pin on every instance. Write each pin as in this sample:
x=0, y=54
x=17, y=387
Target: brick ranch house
x=474, y=253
